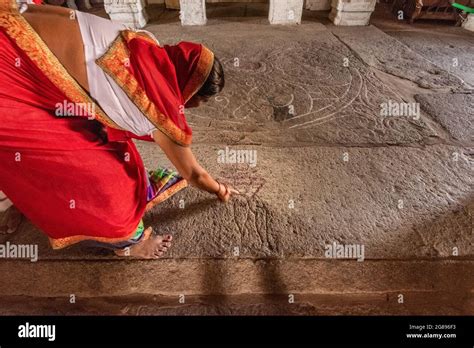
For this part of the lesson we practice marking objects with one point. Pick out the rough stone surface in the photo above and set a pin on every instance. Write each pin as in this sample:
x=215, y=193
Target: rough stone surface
x=285, y=12
x=417, y=303
x=390, y=55
x=292, y=83
x=193, y=277
x=193, y=12
x=455, y=112
x=353, y=202
x=451, y=50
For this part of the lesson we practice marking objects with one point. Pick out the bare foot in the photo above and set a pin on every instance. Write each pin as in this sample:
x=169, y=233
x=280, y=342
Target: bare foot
x=10, y=220
x=151, y=246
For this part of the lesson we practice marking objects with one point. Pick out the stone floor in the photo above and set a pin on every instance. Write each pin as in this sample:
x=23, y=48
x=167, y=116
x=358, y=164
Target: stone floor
x=329, y=169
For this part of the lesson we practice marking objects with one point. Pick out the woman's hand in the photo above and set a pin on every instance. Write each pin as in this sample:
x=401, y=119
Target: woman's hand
x=225, y=192
x=188, y=167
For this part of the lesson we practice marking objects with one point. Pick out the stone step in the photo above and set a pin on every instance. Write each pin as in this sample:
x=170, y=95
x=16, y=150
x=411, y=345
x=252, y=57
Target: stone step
x=416, y=303
x=264, y=286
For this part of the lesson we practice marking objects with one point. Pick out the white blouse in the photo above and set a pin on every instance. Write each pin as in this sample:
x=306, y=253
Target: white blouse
x=97, y=35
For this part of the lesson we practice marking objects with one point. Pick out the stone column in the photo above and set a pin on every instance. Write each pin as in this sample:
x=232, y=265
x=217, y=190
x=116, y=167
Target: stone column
x=129, y=12
x=318, y=5
x=351, y=12
x=285, y=11
x=193, y=12
x=469, y=22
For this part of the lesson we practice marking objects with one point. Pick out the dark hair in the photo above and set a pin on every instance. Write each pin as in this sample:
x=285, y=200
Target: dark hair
x=215, y=81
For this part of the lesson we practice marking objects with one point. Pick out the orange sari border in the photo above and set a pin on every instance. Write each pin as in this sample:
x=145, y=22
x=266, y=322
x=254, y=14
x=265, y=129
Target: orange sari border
x=129, y=35
x=167, y=194
x=61, y=243
x=31, y=43
x=200, y=74
x=113, y=62
x=9, y=6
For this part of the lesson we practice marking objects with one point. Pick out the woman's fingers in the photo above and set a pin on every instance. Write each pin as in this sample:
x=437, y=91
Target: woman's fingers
x=229, y=191
x=226, y=197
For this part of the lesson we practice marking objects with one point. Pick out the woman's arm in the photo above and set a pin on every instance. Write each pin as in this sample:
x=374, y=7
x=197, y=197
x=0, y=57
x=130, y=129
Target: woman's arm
x=188, y=167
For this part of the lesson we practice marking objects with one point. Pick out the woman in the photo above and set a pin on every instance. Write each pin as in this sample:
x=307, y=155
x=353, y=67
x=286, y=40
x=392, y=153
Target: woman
x=75, y=90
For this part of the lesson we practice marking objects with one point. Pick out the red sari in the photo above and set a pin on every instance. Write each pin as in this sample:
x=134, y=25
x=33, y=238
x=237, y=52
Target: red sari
x=57, y=170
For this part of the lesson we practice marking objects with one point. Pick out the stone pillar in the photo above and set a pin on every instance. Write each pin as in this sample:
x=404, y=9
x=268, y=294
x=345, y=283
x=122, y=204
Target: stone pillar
x=285, y=11
x=318, y=5
x=469, y=22
x=193, y=12
x=129, y=12
x=351, y=12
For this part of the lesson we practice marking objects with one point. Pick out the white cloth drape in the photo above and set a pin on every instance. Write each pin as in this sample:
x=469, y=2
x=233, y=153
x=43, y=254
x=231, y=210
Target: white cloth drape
x=97, y=35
